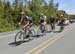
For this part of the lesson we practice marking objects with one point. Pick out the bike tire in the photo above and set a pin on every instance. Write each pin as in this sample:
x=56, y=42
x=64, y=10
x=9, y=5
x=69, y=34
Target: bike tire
x=39, y=32
x=17, y=37
x=31, y=36
x=33, y=31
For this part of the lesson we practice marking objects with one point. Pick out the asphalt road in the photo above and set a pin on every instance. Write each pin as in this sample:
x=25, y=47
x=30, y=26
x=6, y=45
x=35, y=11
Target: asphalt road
x=51, y=43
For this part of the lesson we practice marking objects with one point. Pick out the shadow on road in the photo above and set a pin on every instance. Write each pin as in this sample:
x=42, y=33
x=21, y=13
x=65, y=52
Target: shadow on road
x=54, y=31
x=36, y=36
x=18, y=43
x=48, y=31
x=21, y=42
x=57, y=31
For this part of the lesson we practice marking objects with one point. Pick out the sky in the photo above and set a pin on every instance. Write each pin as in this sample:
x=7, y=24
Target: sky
x=66, y=5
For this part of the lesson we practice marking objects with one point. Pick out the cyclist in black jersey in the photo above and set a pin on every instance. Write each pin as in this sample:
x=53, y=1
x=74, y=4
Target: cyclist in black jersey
x=28, y=21
x=52, y=22
x=43, y=22
x=43, y=19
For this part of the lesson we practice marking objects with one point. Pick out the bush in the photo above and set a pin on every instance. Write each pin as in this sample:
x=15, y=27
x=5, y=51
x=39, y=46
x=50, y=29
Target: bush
x=5, y=26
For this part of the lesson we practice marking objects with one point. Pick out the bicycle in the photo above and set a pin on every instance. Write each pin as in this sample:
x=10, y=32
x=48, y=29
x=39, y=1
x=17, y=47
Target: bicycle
x=42, y=30
x=22, y=35
x=61, y=28
x=52, y=26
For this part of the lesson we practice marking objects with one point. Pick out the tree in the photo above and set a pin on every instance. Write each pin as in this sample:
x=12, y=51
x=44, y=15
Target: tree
x=56, y=6
x=26, y=3
x=10, y=13
x=51, y=9
x=1, y=8
x=15, y=3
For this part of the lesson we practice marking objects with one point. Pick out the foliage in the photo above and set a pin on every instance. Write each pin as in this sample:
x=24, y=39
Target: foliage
x=10, y=13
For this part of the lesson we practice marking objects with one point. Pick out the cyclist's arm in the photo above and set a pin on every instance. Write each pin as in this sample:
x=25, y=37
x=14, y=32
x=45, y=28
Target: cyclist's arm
x=39, y=20
x=21, y=20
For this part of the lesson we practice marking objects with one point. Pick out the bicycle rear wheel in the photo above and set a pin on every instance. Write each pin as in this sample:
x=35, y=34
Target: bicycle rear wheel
x=31, y=36
x=33, y=31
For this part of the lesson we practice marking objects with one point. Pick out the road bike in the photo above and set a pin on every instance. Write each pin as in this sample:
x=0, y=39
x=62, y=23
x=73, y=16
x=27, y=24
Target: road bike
x=42, y=30
x=22, y=35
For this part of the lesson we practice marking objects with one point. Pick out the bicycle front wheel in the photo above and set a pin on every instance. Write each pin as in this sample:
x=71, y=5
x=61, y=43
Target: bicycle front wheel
x=19, y=37
x=39, y=32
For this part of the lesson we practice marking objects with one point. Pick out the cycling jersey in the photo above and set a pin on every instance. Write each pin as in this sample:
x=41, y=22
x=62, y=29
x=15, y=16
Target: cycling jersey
x=62, y=20
x=29, y=19
x=42, y=19
x=52, y=20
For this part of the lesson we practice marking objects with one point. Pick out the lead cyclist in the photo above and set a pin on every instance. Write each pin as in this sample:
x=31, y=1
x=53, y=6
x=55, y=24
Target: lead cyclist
x=28, y=21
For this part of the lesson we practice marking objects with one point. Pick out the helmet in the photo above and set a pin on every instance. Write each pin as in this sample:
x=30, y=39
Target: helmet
x=61, y=15
x=41, y=14
x=22, y=13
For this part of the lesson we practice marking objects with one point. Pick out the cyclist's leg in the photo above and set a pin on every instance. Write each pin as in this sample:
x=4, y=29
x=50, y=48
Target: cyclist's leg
x=45, y=28
x=53, y=26
x=62, y=25
x=26, y=26
x=41, y=25
x=27, y=29
x=44, y=25
x=30, y=25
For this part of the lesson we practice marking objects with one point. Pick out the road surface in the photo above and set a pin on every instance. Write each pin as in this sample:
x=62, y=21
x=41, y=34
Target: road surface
x=52, y=43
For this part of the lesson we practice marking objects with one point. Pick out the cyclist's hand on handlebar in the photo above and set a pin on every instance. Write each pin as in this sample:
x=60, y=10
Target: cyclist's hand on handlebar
x=19, y=23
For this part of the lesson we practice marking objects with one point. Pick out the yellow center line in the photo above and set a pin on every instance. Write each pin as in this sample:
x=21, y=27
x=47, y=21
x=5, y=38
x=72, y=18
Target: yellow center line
x=51, y=42
x=45, y=44
x=35, y=48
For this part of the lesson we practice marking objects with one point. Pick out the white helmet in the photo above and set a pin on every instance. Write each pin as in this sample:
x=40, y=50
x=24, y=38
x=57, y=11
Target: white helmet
x=22, y=13
x=41, y=14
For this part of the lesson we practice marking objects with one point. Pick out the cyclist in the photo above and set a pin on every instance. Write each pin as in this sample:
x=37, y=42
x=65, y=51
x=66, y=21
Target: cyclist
x=62, y=20
x=52, y=22
x=28, y=21
x=43, y=21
